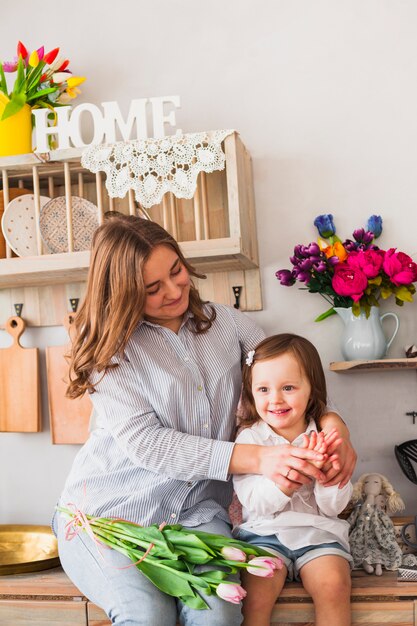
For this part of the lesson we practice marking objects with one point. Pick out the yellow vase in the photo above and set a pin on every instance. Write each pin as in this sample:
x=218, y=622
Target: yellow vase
x=16, y=130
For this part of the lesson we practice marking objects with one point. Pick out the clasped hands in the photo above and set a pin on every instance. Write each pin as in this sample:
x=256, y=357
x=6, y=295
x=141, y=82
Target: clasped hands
x=326, y=457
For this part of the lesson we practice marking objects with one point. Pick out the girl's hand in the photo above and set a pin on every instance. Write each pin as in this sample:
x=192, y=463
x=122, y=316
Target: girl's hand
x=289, y=466
x=316, y=441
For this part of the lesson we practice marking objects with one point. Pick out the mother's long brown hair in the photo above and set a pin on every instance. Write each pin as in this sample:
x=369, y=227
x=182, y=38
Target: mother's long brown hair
x=115, y=296
x=308, y=359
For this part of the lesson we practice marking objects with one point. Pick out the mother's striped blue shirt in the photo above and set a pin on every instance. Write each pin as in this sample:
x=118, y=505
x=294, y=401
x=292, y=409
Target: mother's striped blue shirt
x=165, y=425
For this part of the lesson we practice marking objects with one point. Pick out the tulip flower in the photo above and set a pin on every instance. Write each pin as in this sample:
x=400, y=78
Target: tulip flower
x=63, y=66
x=10, y=66
x=170, y=556
x=38, y=81
x=375, y=225
x=233, y=554
x=34, y=59
x=21, y=50
x=231, y=592
x=264, y=566
x=50, y=57
x=325, y=226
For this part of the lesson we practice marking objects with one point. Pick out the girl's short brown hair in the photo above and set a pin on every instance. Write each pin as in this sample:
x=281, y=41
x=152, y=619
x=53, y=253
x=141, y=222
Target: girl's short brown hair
x=308, y=358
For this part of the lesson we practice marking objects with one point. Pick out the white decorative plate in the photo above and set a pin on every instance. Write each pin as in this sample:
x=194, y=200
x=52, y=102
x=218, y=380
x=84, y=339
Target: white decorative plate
x=19, y=224
x=53, y=224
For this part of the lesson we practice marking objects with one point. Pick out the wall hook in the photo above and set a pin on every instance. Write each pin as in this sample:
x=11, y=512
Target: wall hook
x=236, y=292
x=412, y=414
x=74, y=304
x=18, y=308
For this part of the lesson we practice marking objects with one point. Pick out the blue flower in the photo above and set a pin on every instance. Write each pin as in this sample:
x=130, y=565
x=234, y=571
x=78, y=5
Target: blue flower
x=375, y=225
x=325, y=226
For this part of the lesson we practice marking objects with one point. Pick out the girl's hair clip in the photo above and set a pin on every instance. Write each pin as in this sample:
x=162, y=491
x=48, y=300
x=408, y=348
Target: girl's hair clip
x=249, y=358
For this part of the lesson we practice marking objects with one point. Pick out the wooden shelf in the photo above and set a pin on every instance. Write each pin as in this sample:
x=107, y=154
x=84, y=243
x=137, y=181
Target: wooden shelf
x=72, y=267
x=226, y=243
x=380, y=364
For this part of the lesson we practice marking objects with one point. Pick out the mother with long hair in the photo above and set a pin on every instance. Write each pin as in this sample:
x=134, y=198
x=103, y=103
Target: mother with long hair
x=163, y=370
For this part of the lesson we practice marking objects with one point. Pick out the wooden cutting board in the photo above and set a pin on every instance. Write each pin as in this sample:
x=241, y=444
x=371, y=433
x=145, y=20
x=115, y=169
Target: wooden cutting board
x=69, y=418
x=19, y=384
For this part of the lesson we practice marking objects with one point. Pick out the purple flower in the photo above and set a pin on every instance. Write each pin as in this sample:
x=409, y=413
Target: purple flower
x=10, y=66
x=320, y=267
x=350, y=245
x=285, y=277
x=303, y=277
x=325, y=226
x=375, y=225
x=363, y=236
x=306, y=265
x=313, y=249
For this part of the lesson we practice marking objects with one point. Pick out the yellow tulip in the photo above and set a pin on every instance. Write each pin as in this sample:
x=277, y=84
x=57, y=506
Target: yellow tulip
x=34, y=59
x=74, y=81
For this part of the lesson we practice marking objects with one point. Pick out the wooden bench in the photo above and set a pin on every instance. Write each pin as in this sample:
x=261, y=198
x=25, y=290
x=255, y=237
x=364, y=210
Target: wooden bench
x=49, y=598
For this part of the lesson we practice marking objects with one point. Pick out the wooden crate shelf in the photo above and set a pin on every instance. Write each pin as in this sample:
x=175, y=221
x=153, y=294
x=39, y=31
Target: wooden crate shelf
x=216, y=231
x=380, y=364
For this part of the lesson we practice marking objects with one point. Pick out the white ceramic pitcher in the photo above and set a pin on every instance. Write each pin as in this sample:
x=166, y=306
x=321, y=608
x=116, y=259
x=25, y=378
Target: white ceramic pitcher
x=363, y=338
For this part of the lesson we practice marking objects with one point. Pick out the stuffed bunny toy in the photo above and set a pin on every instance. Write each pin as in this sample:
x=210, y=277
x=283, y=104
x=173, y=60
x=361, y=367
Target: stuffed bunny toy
x=372, y=535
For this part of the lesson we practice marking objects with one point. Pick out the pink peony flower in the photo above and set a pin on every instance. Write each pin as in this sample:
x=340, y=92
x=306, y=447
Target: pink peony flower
x=231, y=592
x=264, y=566
x=233, y=554
x=349, y=281
x=368, y=261
x=400, y=267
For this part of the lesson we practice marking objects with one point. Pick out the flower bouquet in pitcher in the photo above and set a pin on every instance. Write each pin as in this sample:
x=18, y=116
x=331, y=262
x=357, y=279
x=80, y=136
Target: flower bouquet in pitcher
x=355, y=273
x=353, y=276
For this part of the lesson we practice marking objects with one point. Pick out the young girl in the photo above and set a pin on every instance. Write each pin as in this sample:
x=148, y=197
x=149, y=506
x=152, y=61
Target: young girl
x=283, y=399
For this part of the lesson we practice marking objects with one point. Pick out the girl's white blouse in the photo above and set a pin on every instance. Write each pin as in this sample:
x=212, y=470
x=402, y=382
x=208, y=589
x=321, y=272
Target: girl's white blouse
x=309, y=517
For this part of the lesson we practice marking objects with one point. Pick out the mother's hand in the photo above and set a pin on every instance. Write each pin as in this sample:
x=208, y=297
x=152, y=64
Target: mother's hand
x=289, y=466
x=341, y=463
x=340, y=466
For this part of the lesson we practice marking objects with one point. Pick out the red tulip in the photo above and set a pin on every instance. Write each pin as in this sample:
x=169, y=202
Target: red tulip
x=21, y=50
x=50, y=57
x=64, y=66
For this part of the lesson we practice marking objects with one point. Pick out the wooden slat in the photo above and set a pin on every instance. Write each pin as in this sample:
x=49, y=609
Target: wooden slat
x=42, y=613
x=37, y=202
x=68, y=205
x=96, y=616
x=6, y=200
x=378, y=364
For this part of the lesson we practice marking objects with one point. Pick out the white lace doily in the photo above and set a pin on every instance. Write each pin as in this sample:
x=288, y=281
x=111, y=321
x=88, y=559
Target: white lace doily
x=151, y=167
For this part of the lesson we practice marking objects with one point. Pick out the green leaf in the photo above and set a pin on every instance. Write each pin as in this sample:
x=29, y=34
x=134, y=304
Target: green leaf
x=17, y=102
x=375, y=281
x=171, y=583
x=325, y=315
x=196, y=601
x=187, y=539
x=41, y=93
x=19, y=85
x=403, y=293
x=356, y=309
x=3, y=83
x=386, y=292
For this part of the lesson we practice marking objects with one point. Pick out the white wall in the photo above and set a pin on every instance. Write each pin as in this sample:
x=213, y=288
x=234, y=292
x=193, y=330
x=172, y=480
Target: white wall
x=324, y=94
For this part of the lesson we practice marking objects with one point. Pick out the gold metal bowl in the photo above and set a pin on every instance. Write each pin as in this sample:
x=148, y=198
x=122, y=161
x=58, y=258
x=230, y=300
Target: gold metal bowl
x=26, y=548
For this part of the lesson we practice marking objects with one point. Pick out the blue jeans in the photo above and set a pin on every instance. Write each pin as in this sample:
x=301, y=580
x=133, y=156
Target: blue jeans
x=126, y=595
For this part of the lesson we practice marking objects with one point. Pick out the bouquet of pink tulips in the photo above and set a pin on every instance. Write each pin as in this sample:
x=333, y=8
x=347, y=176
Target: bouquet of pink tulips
x=168, y=555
